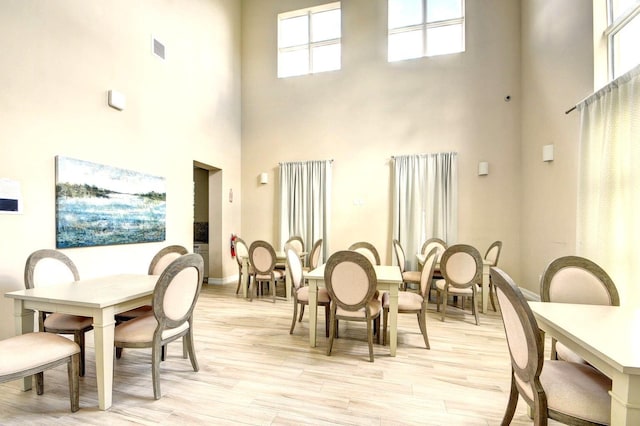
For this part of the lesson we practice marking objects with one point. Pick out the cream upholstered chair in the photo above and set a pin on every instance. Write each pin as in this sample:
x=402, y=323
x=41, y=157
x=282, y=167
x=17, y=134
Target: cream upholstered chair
x=314, y=256
x=351, y=282
x=32, y=353
x=47, y=267
x=461, y=267
x=368, y=250
x=301, y=292
x=242, y=251
x=574, y=279
x=441, y=246
x=159, y=262
x=174, y=298
x=569, y=392
x=295, y=243
x=493, y=255
x=413, y=303
x=408, y=277
x=263, y=259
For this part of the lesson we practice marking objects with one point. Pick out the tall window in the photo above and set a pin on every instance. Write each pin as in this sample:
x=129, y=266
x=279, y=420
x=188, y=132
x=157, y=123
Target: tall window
x=309, y=40
x=623, y=33
x=420, y=28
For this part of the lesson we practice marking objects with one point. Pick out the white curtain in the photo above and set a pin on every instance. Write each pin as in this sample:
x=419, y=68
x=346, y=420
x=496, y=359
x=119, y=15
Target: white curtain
x=608, y=219
x=425, y=201
x=305, y=202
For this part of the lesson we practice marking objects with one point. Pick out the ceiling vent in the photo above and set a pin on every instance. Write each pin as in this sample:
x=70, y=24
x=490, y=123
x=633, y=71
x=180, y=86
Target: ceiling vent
x=157, y=47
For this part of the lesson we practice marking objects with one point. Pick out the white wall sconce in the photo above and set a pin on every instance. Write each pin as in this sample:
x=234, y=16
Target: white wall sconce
x=483, y=168
x=264, y=178
x=116, y=100
x=547, y=153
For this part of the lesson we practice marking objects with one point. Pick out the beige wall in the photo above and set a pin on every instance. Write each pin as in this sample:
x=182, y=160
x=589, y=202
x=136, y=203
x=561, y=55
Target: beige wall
x=371, y=110
x=59, y=59
x=557, y=72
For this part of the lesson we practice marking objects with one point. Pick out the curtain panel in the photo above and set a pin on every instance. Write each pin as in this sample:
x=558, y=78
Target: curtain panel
x=305, y=202
x=608, y=224
x=425, y=200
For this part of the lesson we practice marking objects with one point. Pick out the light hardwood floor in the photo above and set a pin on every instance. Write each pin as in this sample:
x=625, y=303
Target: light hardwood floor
x=252, y=371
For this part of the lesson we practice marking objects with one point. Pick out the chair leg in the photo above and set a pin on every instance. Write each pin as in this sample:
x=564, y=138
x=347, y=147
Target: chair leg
x=370, y=338
x=78, y=337
x=301, y=313
x=385, y=316
x=332, y=331
x=185, y=353
x=377, y=328
x=239, y=280
x=443, y=300
x=327, y=315
x=73, y=373
x=39, y=382
x=422, y=323
x=188, y=338
x=156, y=354
x=475, y=307
x=273, y=290
x=512, y=404
x=295, y=314
x=492, y=289
x=118, y=353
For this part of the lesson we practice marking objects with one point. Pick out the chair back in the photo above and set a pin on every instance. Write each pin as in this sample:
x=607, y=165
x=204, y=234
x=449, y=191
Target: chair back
x=427, y=273
x=350, y=280
x=400, y=256
x=46, y=267
x=438, y=243
x=368, y=250
x=176, y=292
x=574, y=279
x=493, y=253
x=294, y=266
x=164, y=257
x=461, y=266
x=295, y=243
x=241, y=249
x=525, y=342
x=314, y=256
x=262, y=257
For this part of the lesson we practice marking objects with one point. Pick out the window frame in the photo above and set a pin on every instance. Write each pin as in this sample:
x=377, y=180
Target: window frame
x=310, y=44
x=613, y=28
x=424, y=26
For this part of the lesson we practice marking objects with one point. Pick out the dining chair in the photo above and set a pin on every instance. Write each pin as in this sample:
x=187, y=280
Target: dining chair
x=295, y=243
x=408, y=277
x=242, y=251
x=461, y=267
x=413, y=303
x=174, y=299
x=263, y=259
x=32, y=353
x=441, y=245
x=572, y=393
x=575, y=279
x=368, y=250
x=159, y=262
x=351, y=282
x=300, y=292
x=314, y=256
x=493, y=255
x=46, y=267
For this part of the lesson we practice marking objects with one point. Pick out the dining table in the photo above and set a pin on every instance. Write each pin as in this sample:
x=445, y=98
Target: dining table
x=389, y=278
x=484, y=292
x=100, y=298
x=607, y=338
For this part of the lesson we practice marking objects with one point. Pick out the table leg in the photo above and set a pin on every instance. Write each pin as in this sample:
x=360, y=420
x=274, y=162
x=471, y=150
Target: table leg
x=485, y=288
x=103, y=327
x=313, y=312
x=393, y=319
x=625, y=399
x=23, y=321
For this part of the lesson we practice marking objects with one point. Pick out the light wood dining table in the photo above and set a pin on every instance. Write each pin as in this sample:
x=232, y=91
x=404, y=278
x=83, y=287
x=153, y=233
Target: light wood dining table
x=389, y=279
x=99, y=298
x=606, y=337
x=486, y=268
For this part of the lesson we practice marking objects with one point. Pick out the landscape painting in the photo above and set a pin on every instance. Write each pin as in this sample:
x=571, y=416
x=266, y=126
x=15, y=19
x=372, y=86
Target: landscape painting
x=100, y=205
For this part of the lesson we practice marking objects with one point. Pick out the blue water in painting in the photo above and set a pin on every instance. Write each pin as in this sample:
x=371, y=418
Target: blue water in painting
x=118, y=219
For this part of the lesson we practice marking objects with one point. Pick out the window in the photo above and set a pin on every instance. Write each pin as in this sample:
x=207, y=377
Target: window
x=309, y=40
x=420, y=28
x=623, y=33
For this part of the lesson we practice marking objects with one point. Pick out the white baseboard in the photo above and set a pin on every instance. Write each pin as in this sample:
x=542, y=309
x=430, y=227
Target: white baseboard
x=222, y=281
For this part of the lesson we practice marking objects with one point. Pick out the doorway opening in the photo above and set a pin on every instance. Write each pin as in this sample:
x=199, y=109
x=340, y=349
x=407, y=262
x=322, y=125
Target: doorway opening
x=207, y=232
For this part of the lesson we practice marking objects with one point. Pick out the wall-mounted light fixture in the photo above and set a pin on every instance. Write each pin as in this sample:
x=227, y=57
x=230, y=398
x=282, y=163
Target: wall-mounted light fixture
x=264, y=178
x=547, y=153
x=483, y=168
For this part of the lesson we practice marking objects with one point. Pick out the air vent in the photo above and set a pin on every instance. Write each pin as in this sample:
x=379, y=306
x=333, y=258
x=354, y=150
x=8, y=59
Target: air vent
x=157, y=47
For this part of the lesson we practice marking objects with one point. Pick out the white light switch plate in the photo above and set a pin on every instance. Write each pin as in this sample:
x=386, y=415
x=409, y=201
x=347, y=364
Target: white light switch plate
x=117, y=100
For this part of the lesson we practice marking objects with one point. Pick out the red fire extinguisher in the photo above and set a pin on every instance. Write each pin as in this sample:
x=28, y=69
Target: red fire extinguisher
x=233, y=245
